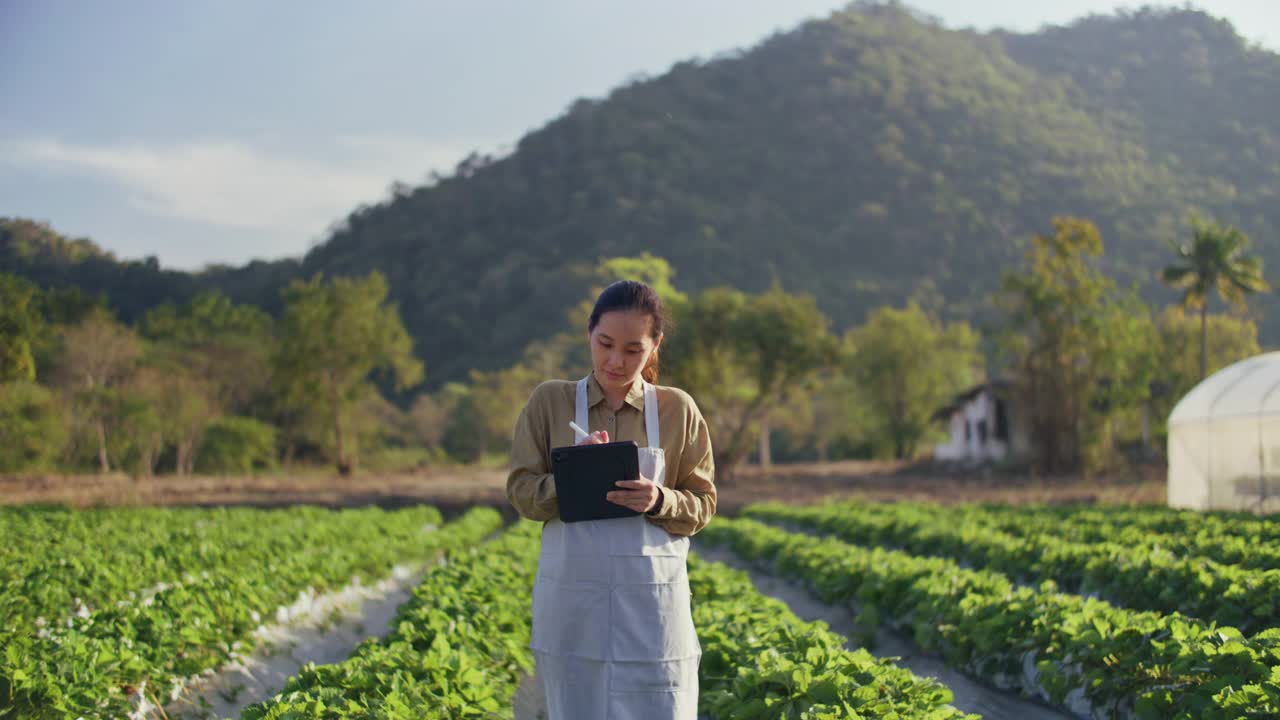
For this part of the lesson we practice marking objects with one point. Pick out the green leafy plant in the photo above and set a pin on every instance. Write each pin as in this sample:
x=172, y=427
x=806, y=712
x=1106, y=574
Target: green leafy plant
x=142, y=599
x=1039, y=641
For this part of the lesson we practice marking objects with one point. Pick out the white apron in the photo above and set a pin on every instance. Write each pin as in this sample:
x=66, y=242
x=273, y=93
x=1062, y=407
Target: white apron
x=613, y=635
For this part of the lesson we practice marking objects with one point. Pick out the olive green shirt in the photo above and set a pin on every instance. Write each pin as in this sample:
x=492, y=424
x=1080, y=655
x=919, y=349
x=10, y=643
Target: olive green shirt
x=688, y=499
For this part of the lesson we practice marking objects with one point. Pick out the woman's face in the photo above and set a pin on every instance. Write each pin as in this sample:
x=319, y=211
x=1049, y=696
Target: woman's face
x=620, y=347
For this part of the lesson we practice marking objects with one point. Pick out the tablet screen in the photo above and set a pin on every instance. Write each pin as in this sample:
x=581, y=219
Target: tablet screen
x=585, y=474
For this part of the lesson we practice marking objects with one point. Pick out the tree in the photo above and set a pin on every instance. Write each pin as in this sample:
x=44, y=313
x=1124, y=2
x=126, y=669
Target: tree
x=226, y=345
x=1125, y=360
x=1080, y=350
x=188, y=407
x=333, y=337
x=96, y=357
x=19, y=328
x=426, y=422
x=143, y=426
x=1050, y=302
x=1214, y=260
x=464, y=434
x=842, y=417
x=738, y=355
x=572, y=352
x=379, y=431
x=550, y=358
x=189, y=384
x=32, y=433
x=828, y=414
x=1230, y=339
x=907, y=364
x=647, y=268
x=238, y=445
x=496, y=398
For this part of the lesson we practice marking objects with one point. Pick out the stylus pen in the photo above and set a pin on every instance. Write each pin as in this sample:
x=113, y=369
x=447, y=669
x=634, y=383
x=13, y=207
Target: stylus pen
x=578, y=433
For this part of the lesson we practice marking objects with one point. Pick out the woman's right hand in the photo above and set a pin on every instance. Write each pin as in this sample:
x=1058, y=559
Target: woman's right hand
x=599, y=437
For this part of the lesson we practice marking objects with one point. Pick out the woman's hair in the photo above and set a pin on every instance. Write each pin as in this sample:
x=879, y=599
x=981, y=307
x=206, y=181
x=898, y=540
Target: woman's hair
x=630, y=295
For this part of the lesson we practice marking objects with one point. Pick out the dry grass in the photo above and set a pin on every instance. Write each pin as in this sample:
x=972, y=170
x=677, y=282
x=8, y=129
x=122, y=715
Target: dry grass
x=455, y=488
x=898, y=481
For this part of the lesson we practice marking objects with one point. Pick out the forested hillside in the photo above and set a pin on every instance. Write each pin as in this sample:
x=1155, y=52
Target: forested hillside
x=866, y=158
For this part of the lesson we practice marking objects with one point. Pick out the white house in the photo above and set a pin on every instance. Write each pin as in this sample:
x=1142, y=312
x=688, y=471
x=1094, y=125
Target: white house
x=984, y=425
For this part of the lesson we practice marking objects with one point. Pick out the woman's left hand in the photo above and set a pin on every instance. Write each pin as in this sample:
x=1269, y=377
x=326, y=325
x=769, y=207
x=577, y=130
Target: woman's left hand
x=640, y=495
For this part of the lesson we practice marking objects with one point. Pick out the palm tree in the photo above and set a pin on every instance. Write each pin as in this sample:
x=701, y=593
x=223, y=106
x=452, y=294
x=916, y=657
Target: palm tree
x=1214, y=259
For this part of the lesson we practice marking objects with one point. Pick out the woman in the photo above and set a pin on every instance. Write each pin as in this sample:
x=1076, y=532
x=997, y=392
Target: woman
x=613, y=636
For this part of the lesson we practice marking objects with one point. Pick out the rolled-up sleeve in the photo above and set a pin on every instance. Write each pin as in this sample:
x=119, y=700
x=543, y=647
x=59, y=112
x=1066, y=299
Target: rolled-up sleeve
x=689, y=498
x=531, y=487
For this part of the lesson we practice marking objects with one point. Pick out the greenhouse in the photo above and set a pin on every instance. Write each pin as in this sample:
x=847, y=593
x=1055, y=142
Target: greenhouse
x=1224, y=440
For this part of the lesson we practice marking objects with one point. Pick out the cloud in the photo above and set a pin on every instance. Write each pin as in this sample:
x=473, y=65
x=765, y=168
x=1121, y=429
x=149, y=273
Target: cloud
x=416, y=155
x=233, y=184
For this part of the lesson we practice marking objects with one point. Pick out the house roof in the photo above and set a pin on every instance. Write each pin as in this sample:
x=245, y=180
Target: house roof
x=999, y=387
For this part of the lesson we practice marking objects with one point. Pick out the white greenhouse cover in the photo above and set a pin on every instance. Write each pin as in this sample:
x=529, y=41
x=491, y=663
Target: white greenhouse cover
x=1224, y=440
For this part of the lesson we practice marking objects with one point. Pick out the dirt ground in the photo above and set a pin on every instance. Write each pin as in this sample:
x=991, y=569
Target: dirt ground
x=453, y=489
x=890, y=481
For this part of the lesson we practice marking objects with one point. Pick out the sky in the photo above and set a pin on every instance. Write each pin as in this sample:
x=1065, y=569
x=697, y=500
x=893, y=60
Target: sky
x=220, y=131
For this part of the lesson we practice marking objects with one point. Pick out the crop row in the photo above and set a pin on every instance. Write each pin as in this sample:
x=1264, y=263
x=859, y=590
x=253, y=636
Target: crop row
x=1232, y=544
x=1155, y=519
x=1246, y=542
x=99, y=663
x=460, y=649
x=1080, y=653
x=1136, y=577
x=761, y=661
x=57, y=562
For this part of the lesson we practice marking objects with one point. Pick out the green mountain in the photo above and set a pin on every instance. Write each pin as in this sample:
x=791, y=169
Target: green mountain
x=36, y=251
x=1203, y=103
x=865, y=158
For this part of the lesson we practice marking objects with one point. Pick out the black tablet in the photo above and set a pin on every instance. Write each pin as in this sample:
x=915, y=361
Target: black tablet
x=584, y=474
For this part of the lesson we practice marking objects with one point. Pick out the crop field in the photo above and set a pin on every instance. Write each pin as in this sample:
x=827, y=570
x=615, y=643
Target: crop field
x=1084, y=610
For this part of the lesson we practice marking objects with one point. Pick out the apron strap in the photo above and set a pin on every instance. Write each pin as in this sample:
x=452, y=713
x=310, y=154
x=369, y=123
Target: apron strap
x=651, y=415
x=580, y=410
